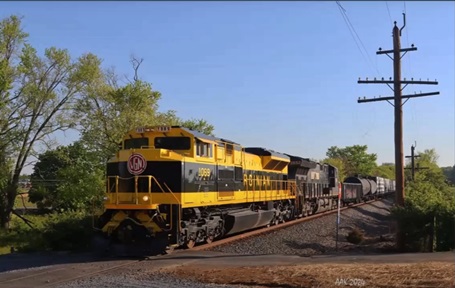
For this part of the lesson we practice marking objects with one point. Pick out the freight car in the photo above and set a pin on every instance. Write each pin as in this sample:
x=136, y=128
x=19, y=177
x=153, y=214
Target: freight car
x=172, y=187
x=358, y=188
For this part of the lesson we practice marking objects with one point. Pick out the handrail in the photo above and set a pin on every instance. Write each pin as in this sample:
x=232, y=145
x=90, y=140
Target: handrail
x=180, y=210
x=151, y=180
x=171, y=192
x=275, y=186
x=116, y=189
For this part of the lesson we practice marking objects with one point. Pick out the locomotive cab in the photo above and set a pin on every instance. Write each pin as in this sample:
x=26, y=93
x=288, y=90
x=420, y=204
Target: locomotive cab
x=143, y=185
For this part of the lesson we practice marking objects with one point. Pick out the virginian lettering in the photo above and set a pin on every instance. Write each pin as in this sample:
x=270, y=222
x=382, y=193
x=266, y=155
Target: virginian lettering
x=257, y=181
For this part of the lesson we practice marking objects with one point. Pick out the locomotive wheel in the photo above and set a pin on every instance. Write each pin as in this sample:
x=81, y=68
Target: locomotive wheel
x=275, y=221
x=190, y=243
x=209, y=239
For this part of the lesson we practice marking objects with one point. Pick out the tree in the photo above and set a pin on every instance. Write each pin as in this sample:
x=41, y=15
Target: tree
x=384, y=171
x=355, y=159
x=449, y=172
x=428, y=158
x=36, y=94
x=427, y=216
x=67, y=178
x=108, y=111
x=199, y=125
x=170, y=118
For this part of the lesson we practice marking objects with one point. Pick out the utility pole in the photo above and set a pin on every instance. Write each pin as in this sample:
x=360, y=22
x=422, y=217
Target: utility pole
x=412, y=162
x=413, y=168
x=397, y=89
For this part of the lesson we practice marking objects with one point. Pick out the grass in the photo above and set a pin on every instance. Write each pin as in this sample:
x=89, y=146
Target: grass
x=5, y=250
x=20, y=236
x=22, y=199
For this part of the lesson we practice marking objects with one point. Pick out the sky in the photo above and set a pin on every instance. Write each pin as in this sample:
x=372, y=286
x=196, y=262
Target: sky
x=280, y=75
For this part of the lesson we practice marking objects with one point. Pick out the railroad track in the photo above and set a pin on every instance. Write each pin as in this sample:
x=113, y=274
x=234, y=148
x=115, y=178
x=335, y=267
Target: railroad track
x=266, y=230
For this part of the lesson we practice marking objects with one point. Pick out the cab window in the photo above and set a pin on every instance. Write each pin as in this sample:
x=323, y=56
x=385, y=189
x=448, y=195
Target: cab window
x=136, y=143
x=203, y=149
x=173, y=143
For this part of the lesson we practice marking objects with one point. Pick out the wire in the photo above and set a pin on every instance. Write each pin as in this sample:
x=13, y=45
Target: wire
x=351, y=30
x=407, y=43
x=390, y=17
x=415, y=121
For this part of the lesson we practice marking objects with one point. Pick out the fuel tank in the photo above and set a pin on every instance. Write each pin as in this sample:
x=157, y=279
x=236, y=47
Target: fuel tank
x=245, y=220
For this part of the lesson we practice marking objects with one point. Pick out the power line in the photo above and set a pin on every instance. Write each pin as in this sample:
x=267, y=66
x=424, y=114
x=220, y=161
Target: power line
x=351, y=27
x=390, y=17
x=407, y=42
x=415, y=124
x=350, y=30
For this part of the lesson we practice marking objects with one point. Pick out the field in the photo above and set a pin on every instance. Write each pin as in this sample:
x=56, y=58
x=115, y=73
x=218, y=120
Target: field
x=10, y=239
x=22, y=202
x=432, y=274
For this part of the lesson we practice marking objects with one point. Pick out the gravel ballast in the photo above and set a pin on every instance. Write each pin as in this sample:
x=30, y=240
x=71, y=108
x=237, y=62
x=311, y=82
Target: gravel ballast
x=318, y=236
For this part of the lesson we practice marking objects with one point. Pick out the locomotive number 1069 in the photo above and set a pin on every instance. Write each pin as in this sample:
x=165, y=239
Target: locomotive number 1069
x=204, y=173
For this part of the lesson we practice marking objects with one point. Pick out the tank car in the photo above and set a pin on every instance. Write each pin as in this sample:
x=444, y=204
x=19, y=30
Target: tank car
x=369, y=186
x=380, y=185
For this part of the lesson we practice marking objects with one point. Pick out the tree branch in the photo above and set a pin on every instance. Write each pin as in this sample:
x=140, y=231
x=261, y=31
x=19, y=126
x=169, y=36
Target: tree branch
x=136, y=64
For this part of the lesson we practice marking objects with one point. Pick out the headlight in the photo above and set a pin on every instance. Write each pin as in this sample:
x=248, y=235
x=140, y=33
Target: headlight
x=105, y=198
x=145, y=198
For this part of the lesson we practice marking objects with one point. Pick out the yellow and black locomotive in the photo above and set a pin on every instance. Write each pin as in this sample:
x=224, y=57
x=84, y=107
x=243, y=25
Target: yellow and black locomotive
x=171, y=186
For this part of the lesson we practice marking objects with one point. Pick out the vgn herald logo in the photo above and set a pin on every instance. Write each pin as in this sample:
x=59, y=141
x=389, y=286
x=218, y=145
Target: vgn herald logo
x=136, y=164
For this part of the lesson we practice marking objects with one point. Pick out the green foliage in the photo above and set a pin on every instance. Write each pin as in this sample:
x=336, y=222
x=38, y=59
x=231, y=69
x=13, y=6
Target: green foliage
x=199, y=125
x=429, y=208
x=384, y=171
x=37, y=104
x=69, y=231
x=355, y=236
x=355, y=159
x=449, y=173
x=23, y=202
x=108, y=111
x=67, y=178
